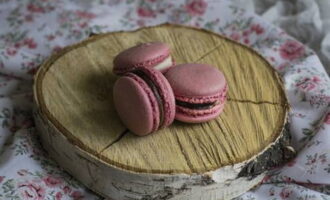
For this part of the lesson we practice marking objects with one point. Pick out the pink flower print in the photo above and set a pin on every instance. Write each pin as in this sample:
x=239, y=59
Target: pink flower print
x=145, y=12
x=32, y=71
x=58, y=196
x=272, y=59
x=57, y=49
x=1, y=178
x=31, y=191
x=140, y=23
x=52, y=181
x=76, y=195
x=35, y=8
x=282, y=66
x=266, y=179
x=287, y=179
x=85, y=14
x=17, y=45
x=196, y=7
x=291, y=50
x=285, y=193
x=11, y=51
x=307, y=84
x=316, y=79
x=327, y=119
x=246, y=33
x=319, y=100
x=235, y=36
x=29, y=42
x=83, y=25
x=246, y=41
x=32, y=45
x=66, y=189
x=313, y=161
x=257, y=29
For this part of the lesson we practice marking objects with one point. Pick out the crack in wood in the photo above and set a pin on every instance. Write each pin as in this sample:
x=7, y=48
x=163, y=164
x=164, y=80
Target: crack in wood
x=207, y=53
x=256, y=102
x=115, y=141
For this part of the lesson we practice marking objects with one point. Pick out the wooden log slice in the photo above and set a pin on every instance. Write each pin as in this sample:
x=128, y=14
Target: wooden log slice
x=219, y=159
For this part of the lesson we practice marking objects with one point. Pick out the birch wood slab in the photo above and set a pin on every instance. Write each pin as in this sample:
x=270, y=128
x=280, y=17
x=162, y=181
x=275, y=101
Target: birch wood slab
x=219, y=159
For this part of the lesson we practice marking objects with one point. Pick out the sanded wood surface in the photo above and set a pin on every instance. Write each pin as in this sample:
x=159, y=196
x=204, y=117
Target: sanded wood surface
x=74, y=92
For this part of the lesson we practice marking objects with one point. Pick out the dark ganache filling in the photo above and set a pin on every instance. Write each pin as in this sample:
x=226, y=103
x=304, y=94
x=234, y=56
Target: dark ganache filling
x=196, y=106
x=156, y=92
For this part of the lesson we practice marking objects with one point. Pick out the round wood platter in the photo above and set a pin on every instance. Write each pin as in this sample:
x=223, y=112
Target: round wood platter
x=219, y=159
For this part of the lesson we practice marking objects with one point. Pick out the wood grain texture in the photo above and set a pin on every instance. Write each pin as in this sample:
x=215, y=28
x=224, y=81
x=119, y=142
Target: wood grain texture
x=75, y=92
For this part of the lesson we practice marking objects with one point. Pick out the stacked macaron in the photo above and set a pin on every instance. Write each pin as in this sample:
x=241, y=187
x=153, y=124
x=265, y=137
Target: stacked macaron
x=154, y=55
x=151, y=91
x=200, y=91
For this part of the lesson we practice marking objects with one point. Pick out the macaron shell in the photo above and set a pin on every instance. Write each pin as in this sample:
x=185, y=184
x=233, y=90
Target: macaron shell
x=193, y=116
x=143, y=55
x=136, y=105
x=195, y=80
x=165, y=92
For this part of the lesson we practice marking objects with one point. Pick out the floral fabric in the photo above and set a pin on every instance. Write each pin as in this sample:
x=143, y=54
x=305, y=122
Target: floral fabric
x=32, y=30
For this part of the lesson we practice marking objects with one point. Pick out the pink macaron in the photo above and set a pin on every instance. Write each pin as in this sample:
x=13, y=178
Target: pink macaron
x=154, y=55
x=144, y=100
x=199, y=90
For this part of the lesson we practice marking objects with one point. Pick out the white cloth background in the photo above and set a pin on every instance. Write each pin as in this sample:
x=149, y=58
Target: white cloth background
x=306, y=20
